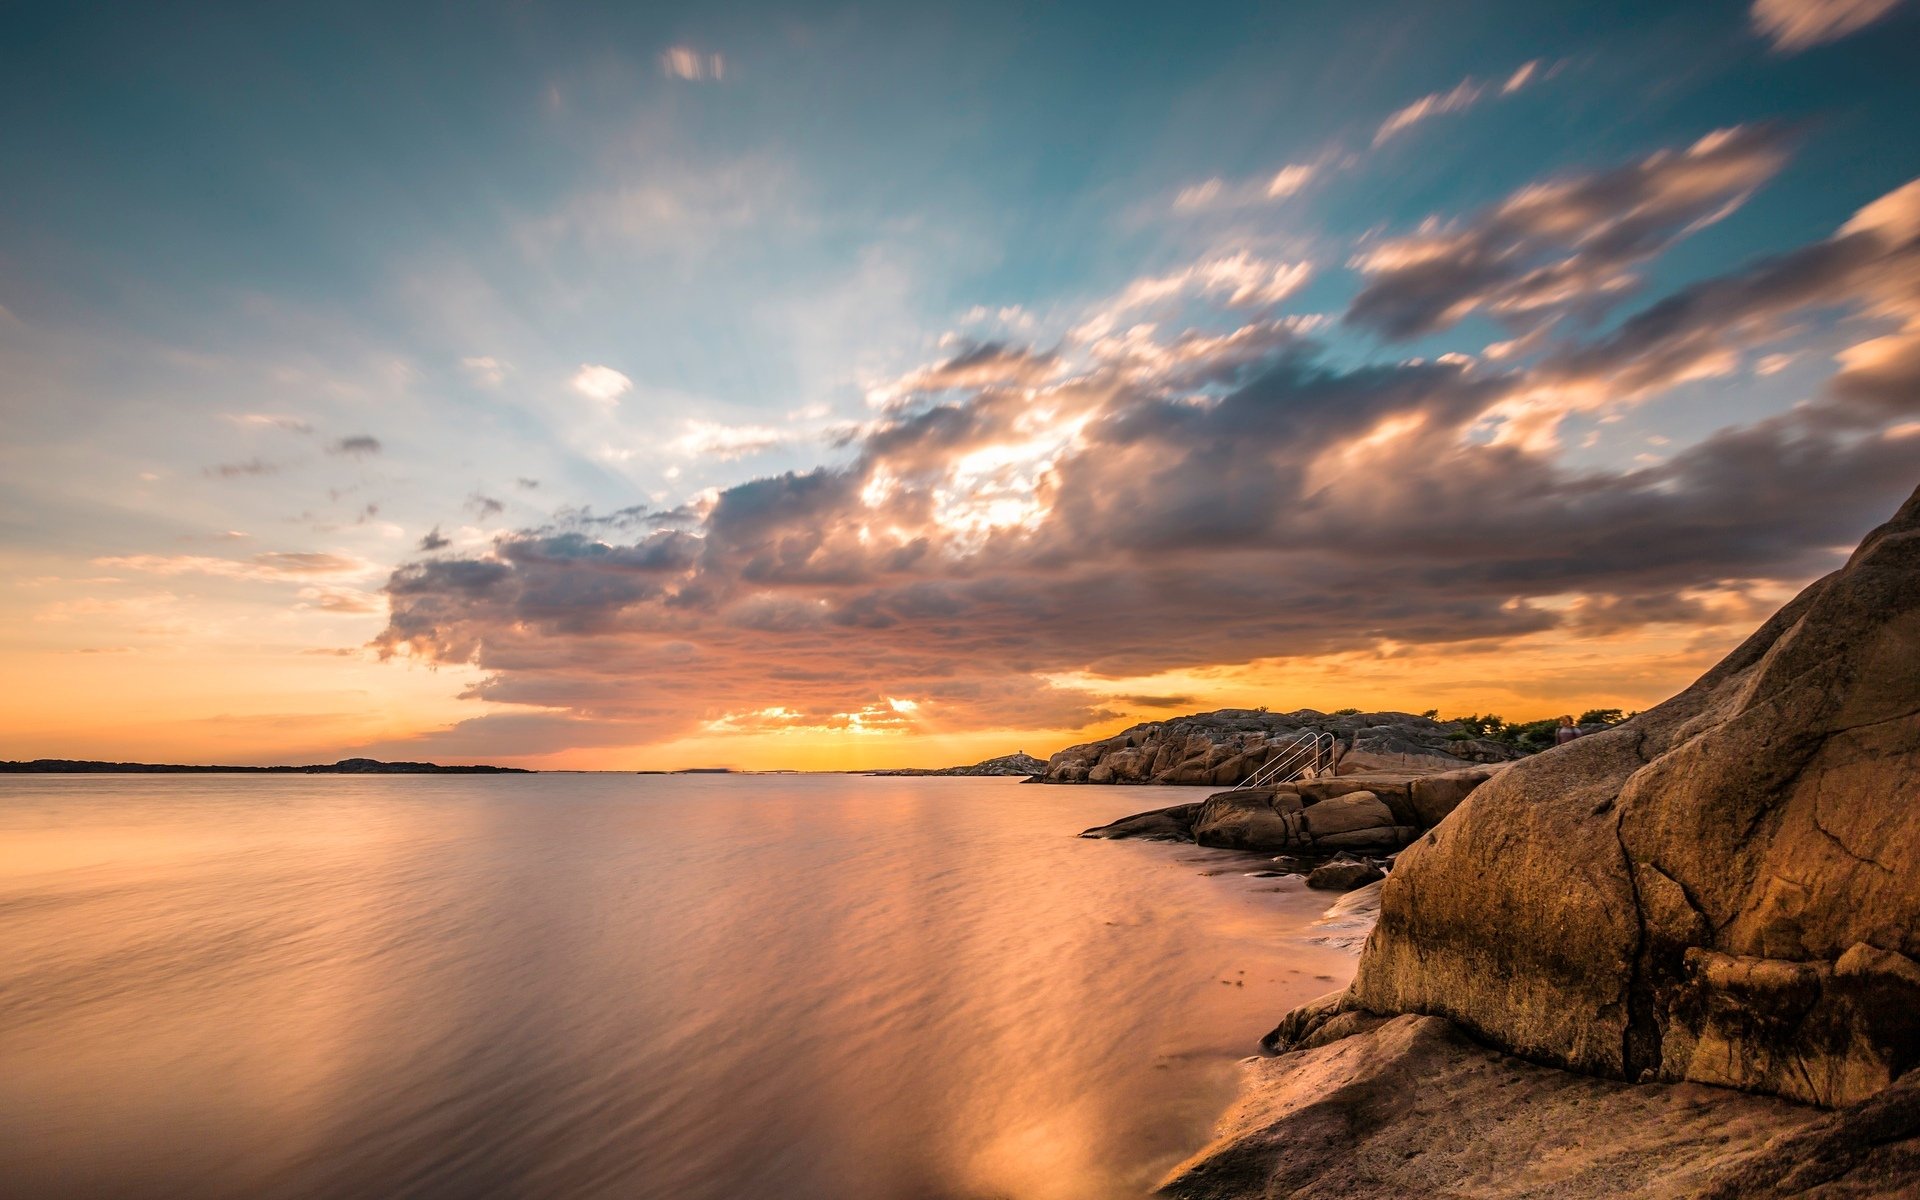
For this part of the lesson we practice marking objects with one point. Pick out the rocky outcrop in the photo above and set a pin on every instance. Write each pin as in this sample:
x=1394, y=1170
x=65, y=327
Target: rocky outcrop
x=1226, y=747
x=1376, y=813
x=1724, y=889
x=1368, y=1108
x=1009, y=765
x=1160, y=825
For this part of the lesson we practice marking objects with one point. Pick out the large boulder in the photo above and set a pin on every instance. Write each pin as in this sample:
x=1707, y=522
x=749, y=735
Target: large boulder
x=1250, y=819
x=1344, y=876
x=1317, y=815
x=1724, y=889
x=1433, y=797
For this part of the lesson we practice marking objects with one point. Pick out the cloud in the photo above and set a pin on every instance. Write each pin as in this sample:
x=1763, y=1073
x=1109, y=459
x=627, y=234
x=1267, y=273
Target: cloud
x=1232, y=281
x=340, y=600
x=1569, y=244
x=1795, y=25
x=1098, y=520
x=1288, y=181
x=271, y=566
x=684, y=62
x=1871, y=265
x=358, y=446
x=484, y=506
x=601, y=383
x=434, y=540
x=1018, y=531
x=270, y=421
x=724, y=443
x=1461, y=95
x=241, y=470
x=485, y=370
x=1158, y=701
x=526, y=484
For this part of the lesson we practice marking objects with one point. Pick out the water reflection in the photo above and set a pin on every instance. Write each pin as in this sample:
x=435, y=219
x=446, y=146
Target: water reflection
x=623, y=986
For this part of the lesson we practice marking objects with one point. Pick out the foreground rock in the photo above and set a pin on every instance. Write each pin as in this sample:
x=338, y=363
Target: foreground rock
x=1410, y=1107
x=1009, y=765
x=1227, y=747
x=1725, y=890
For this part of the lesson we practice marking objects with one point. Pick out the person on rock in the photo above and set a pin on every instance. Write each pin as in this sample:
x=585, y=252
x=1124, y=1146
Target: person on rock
x=1566, y=733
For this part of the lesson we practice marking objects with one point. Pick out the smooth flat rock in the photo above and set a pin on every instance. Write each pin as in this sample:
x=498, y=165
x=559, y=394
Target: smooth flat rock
x=1410, y=1107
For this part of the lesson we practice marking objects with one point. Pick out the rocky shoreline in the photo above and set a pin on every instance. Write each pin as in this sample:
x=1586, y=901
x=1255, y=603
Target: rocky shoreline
x=1008, y=766
x=1232, y=745
x=1675, y=958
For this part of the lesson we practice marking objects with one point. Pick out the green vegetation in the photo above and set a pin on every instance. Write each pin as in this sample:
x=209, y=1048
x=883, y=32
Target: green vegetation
x=1531, y=736
x=1345, y=712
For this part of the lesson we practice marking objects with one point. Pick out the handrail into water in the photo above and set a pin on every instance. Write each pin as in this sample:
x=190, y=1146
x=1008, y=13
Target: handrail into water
x=1303, y=753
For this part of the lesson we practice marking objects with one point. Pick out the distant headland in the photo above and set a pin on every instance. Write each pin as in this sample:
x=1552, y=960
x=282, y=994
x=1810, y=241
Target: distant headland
x=346, y=766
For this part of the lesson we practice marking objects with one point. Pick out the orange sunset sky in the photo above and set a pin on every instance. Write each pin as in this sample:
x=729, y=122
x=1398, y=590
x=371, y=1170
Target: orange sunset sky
x=871, y=391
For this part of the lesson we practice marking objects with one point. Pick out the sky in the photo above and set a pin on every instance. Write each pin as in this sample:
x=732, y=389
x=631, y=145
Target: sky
x=654, y=386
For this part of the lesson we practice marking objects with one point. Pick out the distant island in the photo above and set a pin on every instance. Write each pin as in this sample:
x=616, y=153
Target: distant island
x=346, y=766
x=1017, y=763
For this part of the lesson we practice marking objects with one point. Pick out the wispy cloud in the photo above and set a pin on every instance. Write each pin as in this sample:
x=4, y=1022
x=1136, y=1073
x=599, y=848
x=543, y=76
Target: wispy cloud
x=275, y=565
x=241, y=470
x=270, y=421
x=601, y=383
x=1220, y=194
x=724, y=443
x=1234, y=281
x=1562, y=244
x=358, y=445
x=485, y=370
x=1795, y=25
x=1462, y=95
x=684, y=62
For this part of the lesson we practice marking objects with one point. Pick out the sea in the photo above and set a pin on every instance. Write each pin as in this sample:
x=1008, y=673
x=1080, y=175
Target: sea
x=703, y=987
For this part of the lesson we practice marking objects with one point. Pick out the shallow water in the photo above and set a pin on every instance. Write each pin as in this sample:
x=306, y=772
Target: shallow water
x=633, y=986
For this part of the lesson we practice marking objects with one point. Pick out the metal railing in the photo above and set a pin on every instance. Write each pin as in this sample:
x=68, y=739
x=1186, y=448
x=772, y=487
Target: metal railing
x=1308, y=751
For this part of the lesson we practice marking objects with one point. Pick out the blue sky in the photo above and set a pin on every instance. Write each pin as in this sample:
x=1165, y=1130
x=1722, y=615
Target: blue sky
x=294, y=297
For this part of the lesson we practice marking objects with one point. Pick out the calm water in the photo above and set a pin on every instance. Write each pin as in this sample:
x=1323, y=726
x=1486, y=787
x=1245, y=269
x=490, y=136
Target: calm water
x=632, y=986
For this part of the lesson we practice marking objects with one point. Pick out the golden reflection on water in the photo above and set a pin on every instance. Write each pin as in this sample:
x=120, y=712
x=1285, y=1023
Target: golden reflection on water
x=623, y=986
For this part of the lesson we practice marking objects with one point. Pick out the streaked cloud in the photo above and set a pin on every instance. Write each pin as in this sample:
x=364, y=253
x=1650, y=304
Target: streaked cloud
x=1461, y=95
x=1240, y=280
x=1219, y=194
x=274, y=565
x=724, y=443
x=684, y=62
x=1567, y=244
x=1795, y=25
